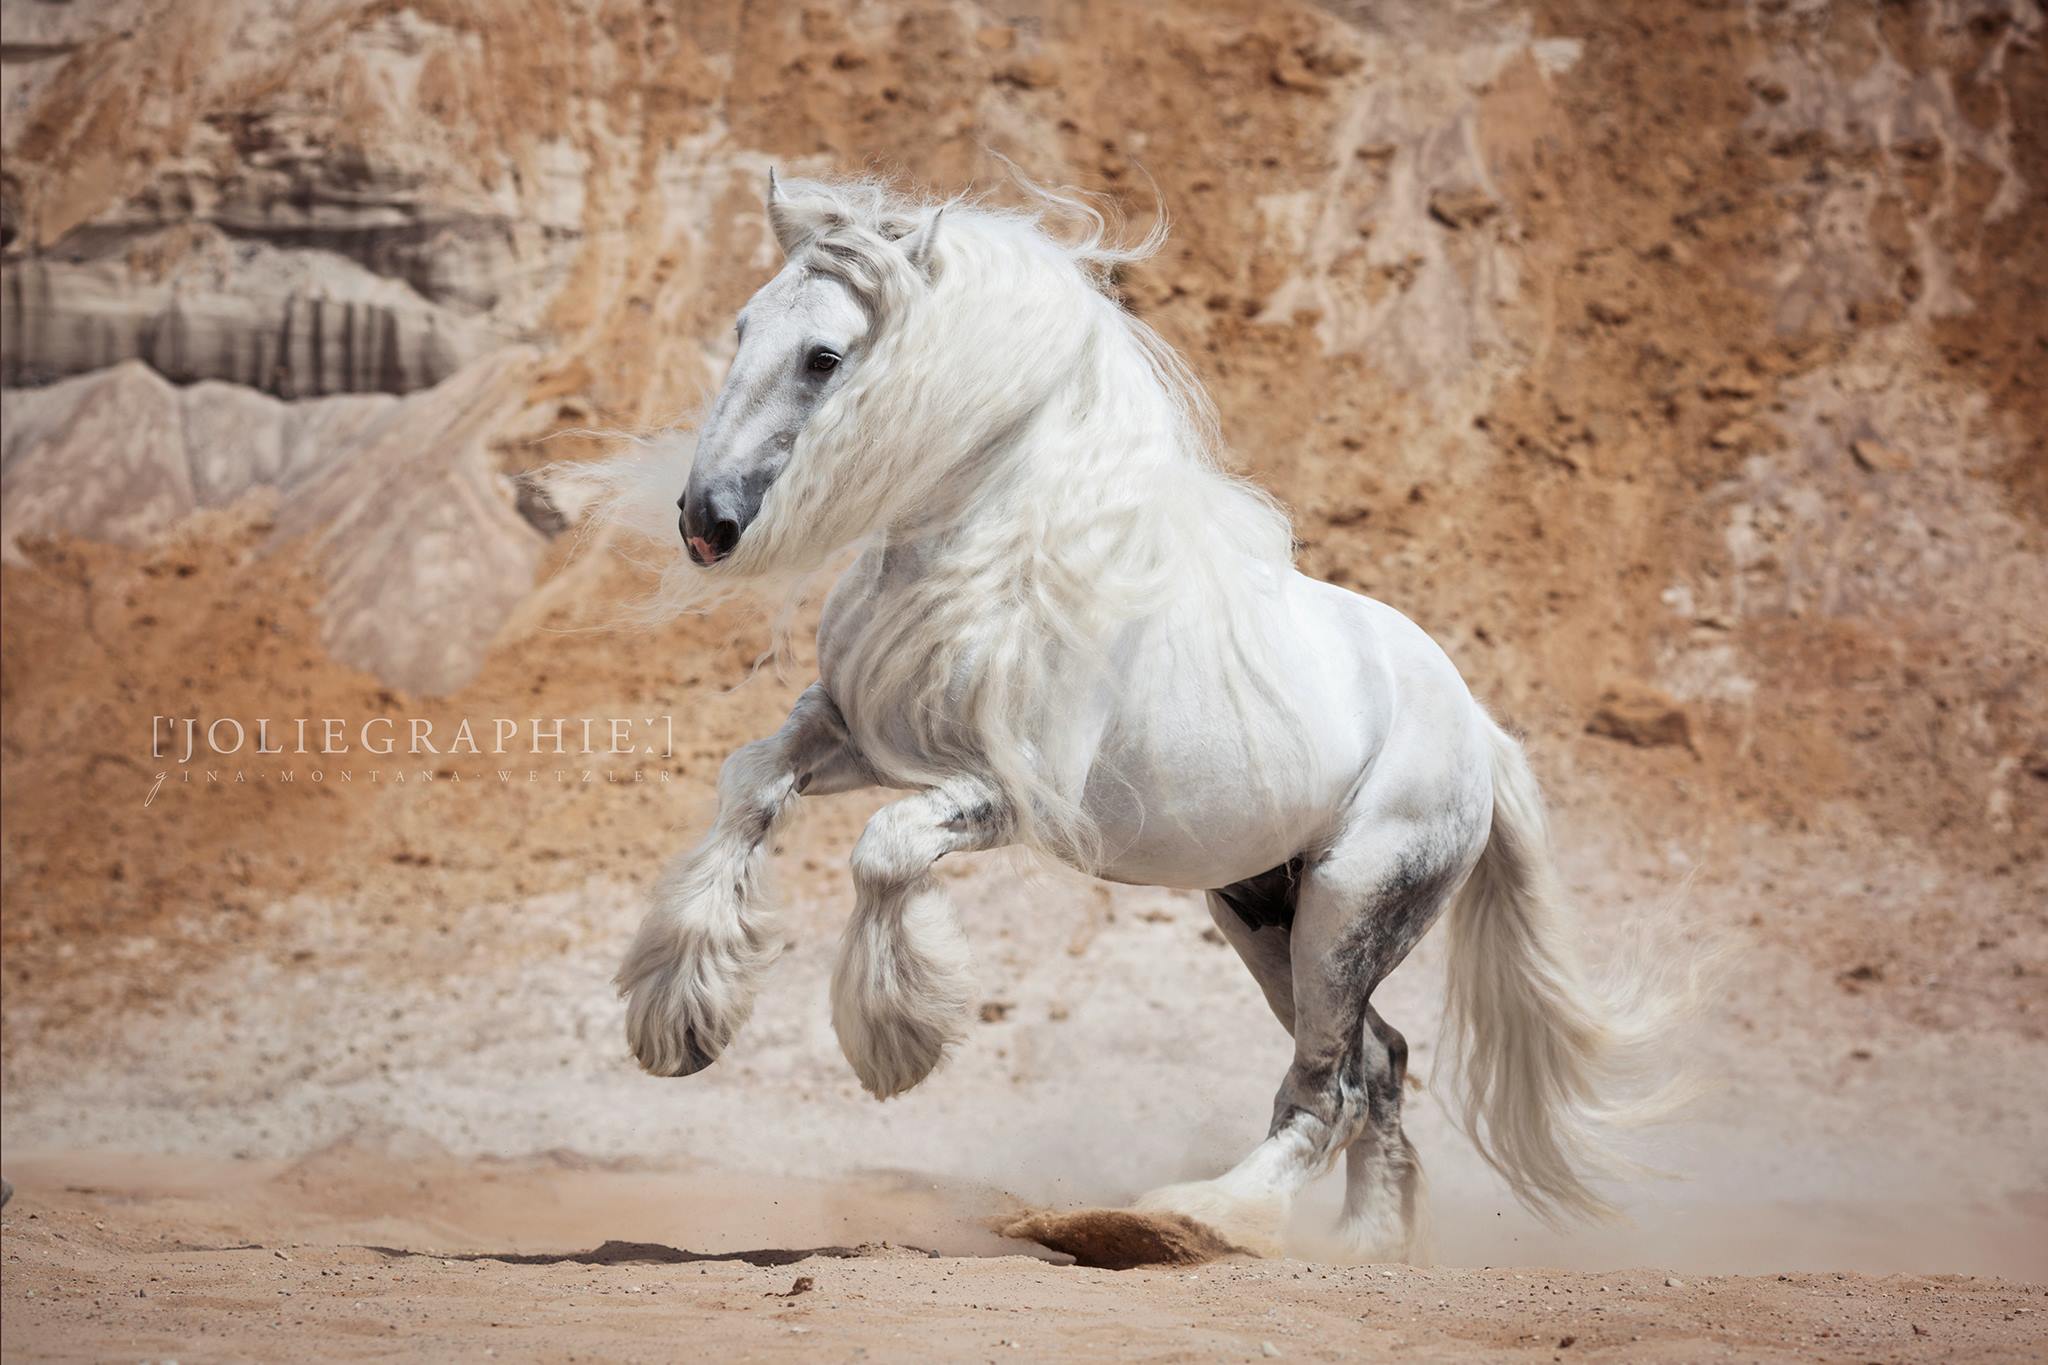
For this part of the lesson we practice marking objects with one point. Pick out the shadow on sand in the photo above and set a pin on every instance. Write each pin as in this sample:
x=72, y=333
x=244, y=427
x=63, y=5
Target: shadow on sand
x=615, y=1252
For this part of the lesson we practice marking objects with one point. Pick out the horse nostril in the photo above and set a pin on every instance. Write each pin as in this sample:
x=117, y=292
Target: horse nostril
x=710, y=526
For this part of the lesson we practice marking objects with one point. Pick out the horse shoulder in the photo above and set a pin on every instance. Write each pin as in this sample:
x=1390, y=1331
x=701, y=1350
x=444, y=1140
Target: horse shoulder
x=848, y=608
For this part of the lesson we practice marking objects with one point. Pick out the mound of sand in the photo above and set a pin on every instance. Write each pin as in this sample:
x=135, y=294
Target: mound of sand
x=1122, y=1239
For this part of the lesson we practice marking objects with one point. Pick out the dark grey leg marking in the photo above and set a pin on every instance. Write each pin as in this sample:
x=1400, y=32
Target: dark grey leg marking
x=1383, y=1099
x=1348, y=1067
x=1395, y=919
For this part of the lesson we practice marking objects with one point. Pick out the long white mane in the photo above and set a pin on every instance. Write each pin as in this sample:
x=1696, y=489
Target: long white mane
x=1050, y=461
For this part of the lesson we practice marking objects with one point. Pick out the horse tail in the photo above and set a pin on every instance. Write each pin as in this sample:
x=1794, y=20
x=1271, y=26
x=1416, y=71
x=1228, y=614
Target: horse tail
x=1546, y=1057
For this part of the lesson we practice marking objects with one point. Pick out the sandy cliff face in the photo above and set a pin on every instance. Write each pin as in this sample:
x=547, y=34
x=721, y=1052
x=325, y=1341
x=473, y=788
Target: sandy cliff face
x=1674, y=364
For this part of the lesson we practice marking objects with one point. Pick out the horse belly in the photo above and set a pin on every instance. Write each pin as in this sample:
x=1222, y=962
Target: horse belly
x=1200, y=824
x=1187, y=794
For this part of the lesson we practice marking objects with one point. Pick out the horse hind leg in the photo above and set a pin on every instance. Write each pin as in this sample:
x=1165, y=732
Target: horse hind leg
x=1382, y=1173
x=1362, y=905
x=1255, y=918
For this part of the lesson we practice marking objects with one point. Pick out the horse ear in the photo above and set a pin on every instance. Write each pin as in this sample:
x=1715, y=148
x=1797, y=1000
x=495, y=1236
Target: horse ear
x=798, y=219
x=918, y=243
x=783, y=219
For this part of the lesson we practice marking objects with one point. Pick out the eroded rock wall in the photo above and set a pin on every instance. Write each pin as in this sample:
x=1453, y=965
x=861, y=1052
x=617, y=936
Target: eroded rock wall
x=1679, y=351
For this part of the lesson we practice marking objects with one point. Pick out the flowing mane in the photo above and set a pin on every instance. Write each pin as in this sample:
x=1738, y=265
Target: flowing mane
x=1061, y=451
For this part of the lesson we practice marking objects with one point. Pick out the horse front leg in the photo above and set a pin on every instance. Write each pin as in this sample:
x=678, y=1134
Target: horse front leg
x=689, y=978
x=902, y=989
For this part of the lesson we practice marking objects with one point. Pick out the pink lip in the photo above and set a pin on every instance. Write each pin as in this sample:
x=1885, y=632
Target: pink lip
x=702, y=549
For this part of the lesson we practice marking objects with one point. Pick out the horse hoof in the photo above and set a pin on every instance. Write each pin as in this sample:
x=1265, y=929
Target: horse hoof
x=685, y=1056
x=694, y=1056
x=669, y=1032
x=1255, y=1224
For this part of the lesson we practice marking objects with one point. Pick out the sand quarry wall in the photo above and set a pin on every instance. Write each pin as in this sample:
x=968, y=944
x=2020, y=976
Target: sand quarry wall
x=1675, y=364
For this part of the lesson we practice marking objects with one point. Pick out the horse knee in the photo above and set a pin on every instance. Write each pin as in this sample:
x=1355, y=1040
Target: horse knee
x=754, y=785
x=889, y=857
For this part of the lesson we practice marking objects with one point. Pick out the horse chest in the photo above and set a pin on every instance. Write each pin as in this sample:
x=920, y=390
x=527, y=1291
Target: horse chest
x=905, y=691
x=886, y=698
x=889, y=729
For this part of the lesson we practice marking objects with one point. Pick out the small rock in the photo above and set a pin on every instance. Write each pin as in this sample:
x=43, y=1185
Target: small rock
x=1878, y=458
x=1462, y=207
x=1029, y=73
x=1269, y=1350
x=1735, y=436
x=1673, y=1282
x=1730, y=382
x=804, y=1284
x=1291, y=72
x=1674, y=252
x=1641, y=716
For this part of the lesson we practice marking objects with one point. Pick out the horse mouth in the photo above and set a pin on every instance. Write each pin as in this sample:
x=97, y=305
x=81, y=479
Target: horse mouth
x=701, y=551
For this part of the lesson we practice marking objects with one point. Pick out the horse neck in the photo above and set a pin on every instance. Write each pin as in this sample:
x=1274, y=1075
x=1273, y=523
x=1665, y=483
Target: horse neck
x=1110, y=430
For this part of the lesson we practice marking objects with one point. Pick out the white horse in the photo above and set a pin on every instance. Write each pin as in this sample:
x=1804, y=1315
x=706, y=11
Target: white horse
x=1070, y=630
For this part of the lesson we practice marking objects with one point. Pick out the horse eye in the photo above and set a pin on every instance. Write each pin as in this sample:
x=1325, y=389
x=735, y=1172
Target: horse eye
x=823, y=361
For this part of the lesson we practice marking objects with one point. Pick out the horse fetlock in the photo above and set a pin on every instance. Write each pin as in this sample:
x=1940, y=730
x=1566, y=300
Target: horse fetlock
x=690, y=977
x=1382, y=1200
x=687, y=997
x=887, y=859
x=901, y=991
x=891, y=1048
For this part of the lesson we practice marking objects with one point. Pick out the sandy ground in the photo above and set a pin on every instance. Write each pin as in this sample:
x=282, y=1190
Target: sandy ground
x=489, y=1173
x=223, y=1260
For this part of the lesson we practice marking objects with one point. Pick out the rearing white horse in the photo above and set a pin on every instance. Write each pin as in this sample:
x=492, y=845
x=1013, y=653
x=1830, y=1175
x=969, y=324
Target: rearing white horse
x=1070, y=629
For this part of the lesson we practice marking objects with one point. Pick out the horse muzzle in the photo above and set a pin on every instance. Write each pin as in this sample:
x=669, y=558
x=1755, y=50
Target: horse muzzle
x=710, y=525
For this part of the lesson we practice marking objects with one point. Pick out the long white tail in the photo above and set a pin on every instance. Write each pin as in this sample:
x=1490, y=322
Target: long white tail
x=1546, y=1058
